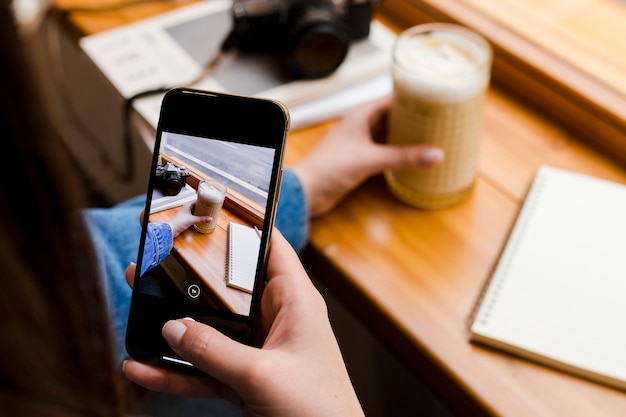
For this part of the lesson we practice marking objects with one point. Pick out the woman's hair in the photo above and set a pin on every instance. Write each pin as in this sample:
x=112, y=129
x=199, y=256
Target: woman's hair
x=55, y=343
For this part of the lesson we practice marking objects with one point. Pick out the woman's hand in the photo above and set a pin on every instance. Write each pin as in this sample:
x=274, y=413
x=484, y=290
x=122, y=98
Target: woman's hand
x=354, y=150
x=184, y=219
x=299, y=371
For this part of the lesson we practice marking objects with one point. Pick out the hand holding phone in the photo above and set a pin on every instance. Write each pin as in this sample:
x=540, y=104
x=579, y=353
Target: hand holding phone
x=299, y=370
x=220, y=156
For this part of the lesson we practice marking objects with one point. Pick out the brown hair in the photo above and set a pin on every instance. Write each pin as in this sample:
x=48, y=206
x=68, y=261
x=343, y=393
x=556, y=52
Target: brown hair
x=55, y=346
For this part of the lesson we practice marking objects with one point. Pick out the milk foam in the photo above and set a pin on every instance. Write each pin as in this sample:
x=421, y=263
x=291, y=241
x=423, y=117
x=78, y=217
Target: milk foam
x=440, y=67
x=210, y=193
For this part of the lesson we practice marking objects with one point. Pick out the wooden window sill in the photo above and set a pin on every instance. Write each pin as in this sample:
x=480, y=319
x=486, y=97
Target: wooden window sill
x=547, y=59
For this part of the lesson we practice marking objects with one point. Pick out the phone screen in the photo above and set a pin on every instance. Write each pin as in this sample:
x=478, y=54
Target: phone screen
x=212, y=164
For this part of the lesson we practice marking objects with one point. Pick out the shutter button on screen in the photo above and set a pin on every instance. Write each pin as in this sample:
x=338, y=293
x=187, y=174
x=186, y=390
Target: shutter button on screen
x=193, y=290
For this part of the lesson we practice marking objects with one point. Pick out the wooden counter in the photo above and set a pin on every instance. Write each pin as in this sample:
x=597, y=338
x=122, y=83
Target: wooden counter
x=204, y=258
x=412, y=276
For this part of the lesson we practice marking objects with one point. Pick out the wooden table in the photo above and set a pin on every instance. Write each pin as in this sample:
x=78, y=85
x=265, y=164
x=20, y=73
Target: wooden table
x=199, y=258
x=412, y=276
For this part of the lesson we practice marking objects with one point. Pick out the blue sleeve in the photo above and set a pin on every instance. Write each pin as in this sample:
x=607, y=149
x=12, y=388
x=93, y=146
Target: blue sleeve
x=115, y=233
x=159, y=243
x=292, y=212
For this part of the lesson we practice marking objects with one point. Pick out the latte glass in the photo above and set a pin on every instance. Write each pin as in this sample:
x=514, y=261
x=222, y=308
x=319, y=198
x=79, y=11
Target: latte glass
x=210, y=200
x=441, y=75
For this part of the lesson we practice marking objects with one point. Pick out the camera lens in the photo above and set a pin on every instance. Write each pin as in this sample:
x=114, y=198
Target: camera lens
x=319, y=42
x=172, y=185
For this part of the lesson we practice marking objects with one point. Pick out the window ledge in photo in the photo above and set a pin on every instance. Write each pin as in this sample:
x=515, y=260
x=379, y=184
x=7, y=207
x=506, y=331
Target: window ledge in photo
x=548, y=69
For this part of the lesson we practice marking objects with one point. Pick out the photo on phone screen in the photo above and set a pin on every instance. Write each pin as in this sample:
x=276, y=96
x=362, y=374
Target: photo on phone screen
x=218, y=157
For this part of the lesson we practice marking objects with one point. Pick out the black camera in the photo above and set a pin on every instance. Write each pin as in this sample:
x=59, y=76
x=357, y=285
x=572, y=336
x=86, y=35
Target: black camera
x=312, y=35
x=170, y=179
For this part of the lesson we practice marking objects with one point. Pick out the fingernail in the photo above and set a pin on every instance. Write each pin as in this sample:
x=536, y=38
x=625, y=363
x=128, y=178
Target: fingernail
x=173, y=331
x=431, y=156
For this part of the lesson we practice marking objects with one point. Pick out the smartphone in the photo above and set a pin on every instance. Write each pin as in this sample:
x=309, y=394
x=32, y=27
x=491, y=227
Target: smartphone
x=221, y=156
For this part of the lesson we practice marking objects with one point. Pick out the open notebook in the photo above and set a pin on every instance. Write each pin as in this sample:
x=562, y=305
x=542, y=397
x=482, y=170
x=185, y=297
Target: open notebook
x=558, y=292
x=242, y=257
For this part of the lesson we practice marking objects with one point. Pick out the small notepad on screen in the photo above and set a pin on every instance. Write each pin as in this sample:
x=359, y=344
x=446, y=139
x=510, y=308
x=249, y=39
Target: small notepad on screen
x=558, y=292
x=243, y=255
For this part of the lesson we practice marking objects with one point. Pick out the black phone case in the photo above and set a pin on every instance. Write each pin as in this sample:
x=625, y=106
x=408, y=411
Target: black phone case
x=222, y=117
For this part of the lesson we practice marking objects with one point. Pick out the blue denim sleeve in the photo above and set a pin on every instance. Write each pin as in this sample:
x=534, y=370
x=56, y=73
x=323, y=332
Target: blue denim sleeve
x=115, y=233
x=159, y=242
x=292, y=212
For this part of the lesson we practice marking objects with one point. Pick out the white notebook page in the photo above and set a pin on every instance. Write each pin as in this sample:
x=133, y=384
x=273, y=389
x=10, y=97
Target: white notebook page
x=243, y=254
x=559, y=289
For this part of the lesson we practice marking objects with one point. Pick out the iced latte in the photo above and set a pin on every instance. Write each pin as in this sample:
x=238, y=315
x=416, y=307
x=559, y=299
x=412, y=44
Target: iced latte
x=441, y=74
x=210, y=200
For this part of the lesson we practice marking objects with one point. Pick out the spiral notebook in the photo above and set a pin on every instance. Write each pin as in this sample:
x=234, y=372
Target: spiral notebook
x=557, y=295
x=243, y=255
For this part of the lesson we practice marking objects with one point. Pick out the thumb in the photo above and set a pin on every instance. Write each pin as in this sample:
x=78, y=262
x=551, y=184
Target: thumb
x=130, y=274
x=209, y=350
